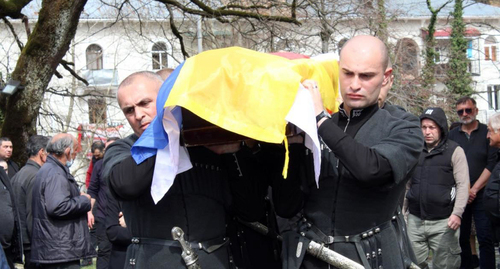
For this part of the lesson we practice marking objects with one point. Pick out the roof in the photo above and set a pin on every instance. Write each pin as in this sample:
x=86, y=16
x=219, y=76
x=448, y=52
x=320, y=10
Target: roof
x=418, y=8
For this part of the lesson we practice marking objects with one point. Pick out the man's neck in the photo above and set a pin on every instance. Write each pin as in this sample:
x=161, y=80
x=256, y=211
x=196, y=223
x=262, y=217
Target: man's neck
x=468, y=128
x=432, y=146
x=37, y=160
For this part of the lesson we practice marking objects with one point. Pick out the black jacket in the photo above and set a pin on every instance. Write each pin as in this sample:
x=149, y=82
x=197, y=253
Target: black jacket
x=365, y=165
x=97, y=190
x=22, y=183
x=120, y=237
x=10, y=227
x=60, y=231
x=196, y=203
x=13, y=167
x=430, y=196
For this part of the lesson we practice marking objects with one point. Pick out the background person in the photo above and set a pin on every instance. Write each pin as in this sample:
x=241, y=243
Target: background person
x=22, y=183
x=437, y=195
x=60, y=232
x=471, y=135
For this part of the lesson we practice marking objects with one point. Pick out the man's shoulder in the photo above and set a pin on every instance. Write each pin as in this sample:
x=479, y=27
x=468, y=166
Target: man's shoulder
x=122, y=144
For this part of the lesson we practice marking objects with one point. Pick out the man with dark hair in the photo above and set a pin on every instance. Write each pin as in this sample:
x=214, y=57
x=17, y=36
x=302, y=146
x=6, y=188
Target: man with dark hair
x=22, y=183
x=60, y=234
x=10, y=228
x=97, y=189
x=471, y=136
x=438, y=193
x=367, y=157
x=97, y=150
x=6, y=153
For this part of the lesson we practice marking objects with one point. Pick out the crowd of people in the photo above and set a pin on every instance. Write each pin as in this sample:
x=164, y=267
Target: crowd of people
x=392, y=189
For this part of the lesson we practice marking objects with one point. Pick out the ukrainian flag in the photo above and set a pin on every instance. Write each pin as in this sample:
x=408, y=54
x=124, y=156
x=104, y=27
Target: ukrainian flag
x=243, y=91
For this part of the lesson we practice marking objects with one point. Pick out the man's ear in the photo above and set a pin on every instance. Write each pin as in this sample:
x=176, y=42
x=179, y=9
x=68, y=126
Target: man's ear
x=67, y=151
x=387, y=76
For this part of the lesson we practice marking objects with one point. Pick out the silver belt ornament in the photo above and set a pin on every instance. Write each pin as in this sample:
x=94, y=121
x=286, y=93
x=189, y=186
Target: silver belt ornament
x=314, y=249
x=188, y=255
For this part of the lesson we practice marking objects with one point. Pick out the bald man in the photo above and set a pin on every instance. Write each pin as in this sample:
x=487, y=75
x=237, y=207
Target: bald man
x=366, y=159
x=60, y=233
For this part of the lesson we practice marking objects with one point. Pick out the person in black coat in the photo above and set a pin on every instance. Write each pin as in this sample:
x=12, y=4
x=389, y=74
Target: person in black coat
x=22, y=183
x=367, y=155
x=10, y=226
x=117, y=233
x=60, y=232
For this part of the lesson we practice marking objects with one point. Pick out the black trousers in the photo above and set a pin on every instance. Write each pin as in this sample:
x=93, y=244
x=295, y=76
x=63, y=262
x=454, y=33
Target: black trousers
x=103, y=244
x=27, y=258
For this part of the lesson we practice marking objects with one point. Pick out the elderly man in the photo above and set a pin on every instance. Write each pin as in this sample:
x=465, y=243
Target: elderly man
x=60, y=234
x=22, y=183
x=196, y=201
x=367, y=157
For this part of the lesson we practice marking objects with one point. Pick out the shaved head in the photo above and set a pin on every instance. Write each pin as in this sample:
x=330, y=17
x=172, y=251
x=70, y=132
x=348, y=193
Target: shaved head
x=368, y=44
x=363, y=71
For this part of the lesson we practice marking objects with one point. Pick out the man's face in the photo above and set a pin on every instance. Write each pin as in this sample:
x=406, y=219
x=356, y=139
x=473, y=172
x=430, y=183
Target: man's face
x=6, y=150
x=98, y=154
x=431, y=131
x=467, y=112
x=138, y=102
x=493, y=137
x=361, y=77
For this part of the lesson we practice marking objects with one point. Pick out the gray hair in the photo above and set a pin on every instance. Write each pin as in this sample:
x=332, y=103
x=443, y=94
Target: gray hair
x=494, y=122
x=57, y=146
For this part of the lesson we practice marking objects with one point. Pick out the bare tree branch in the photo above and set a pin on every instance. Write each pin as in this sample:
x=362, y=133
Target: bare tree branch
x=209, y=12
x=9, y=8
x=11, y=28
x=176, y=32
x=66, y=65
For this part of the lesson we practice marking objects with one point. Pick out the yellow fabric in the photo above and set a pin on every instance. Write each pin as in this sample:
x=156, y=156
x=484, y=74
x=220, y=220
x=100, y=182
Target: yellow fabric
x=249, y=92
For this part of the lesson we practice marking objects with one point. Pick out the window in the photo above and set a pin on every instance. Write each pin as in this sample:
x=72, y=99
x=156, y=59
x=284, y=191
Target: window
x=97, y=111
x=159, y=55
x=494, y=96
x=407, y=56
x=469, y=49
x=94, y=57
x=490, y=49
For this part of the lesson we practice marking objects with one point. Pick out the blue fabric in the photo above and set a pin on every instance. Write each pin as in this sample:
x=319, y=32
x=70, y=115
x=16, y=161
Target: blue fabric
x=154, y=137
x=3, y=260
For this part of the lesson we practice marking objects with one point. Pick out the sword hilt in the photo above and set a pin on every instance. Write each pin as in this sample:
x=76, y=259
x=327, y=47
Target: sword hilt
x=188, y=255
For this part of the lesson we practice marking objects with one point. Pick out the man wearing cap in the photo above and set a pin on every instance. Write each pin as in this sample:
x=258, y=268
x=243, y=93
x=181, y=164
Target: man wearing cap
x=438, y=194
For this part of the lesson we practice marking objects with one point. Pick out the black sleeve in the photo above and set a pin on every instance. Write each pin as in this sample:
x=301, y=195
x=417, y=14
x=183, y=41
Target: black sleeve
x=492, y=157
x=29, y=200
x=94, y=185
x=116, y=234
x=288, y=197
x=353, y=155
x=129, y=180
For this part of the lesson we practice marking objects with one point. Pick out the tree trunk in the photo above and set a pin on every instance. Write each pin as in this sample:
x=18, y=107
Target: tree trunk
x=46, y=46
